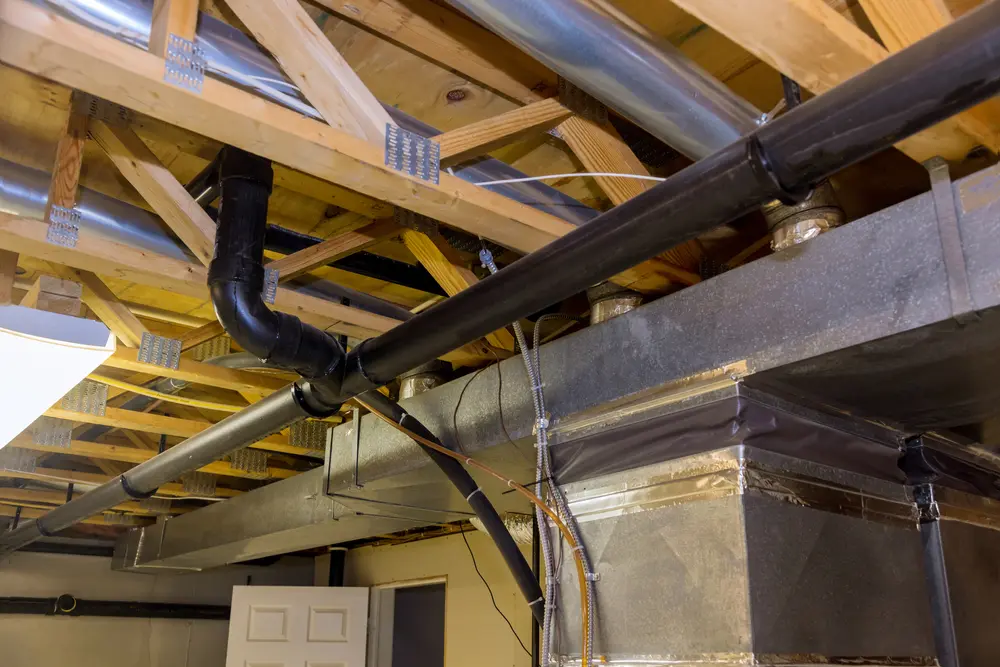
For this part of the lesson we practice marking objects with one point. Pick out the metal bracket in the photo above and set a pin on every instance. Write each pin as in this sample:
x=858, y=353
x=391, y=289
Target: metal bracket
x=270, y=285
x=411, y=153
x=963, y=310
x=217, y=347
x=581, y=102
x=64, y=226
x=160, y=351
x=17, y=460
x=185, y=64
x=155, y=505
x=356, y=432
x=101, y=109
x=415, y=221
x=88, y=396
x=52, y=432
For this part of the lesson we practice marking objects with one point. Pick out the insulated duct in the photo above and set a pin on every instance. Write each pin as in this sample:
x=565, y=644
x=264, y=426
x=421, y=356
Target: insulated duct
x=950, y=71
x=651, y=83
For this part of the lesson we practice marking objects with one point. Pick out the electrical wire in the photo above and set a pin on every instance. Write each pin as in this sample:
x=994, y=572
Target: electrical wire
x=492, y=598
x=534, y=499
x=528, y=179
x=169, y=398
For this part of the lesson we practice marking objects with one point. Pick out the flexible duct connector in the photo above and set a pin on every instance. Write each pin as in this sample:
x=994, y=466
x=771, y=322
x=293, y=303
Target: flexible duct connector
x=236, y=275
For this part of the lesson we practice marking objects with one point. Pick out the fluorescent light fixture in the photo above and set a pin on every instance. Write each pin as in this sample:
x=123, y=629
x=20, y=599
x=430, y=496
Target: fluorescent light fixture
x=42, y=357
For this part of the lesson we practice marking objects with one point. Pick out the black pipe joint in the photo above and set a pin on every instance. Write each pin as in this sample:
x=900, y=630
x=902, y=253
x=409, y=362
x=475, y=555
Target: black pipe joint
x=236, y=275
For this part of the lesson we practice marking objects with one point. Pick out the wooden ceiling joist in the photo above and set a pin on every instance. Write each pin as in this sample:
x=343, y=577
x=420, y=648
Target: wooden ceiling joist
x=69, y=160
x=48, y=475
x=160, y=424
x=480, y=138
x=158, y=187
x=197, y=372
x=819, y=48
x=96, y=450
x=100, y=299
x=172, y=17
x=332, y=249
x=202, y=334
x=100, y=255
x=8, y=274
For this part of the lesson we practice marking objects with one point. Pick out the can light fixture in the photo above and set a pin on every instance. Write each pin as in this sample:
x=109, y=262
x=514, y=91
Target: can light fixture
x=43, y=356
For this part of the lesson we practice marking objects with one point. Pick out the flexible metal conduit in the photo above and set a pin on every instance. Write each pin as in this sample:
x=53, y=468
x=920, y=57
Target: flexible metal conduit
x=953, y=69
x=651, y=83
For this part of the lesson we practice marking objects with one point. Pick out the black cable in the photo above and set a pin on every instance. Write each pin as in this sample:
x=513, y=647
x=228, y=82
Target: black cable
x=493, y=599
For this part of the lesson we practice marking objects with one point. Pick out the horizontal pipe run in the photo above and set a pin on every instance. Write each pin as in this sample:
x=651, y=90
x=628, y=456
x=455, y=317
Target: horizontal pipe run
x=266, y=417
x=912, y=90
x=67, y=605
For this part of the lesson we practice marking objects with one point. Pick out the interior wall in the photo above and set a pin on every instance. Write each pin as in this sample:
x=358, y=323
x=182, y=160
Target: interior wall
x=30, y=641
x=475, y=634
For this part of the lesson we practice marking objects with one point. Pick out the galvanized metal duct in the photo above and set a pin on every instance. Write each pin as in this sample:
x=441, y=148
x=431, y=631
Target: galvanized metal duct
x=651, y=83
x=232, y=56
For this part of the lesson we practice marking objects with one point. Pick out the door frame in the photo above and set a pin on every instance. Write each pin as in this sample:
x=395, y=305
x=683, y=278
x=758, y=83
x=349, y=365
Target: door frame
x=380, y=633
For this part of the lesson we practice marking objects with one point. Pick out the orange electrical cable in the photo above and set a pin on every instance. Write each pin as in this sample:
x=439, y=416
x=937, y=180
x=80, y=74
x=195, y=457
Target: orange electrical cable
x=538, y=502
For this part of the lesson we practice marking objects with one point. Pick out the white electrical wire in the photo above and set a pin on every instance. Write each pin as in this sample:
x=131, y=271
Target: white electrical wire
x=548, y=177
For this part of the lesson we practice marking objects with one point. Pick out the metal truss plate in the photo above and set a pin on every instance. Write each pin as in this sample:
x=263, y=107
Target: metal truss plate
x=582, y=103
x=413, y=154
x=270, y=285
x=101, y=109
x=250, y=461
x=155, y=505
x=309, y=433
x=199, y=484
x=160, y=351
x=185, y=64
x=64, y=226
x=17, y=460
x=51, y=432
x=416, y=221
x=217, y=347
x=88, y=396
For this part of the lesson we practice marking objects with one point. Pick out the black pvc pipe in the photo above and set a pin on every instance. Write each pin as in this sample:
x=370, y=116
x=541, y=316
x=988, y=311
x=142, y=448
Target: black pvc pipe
x=67, y=605
x=236, y=275
x=477, y=500
x=951, y=70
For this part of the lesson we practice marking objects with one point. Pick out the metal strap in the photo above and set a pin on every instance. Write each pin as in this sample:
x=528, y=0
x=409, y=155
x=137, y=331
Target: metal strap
x=413, y=154
x=963, y=310
x=185, y=64
x=160, y=351
x=581, y=102
x=101, y=109
x=270, y=285
x=64, y=226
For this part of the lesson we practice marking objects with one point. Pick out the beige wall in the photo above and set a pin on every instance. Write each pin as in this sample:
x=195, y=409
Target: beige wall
x=44, y=641
x=474, y=633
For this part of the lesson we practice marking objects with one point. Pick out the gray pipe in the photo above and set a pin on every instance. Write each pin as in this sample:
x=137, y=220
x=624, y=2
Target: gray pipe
x=651, y=83
x=256, y=422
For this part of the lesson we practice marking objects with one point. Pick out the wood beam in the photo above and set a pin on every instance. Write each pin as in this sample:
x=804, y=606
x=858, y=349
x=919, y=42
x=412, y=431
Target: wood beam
x=35, y=513
x=813, y=44
x=440, y=260
x=53, y=295
x=197, y=372
x=8, y=274
x=95, y=450
x=172, y=17
x=900, y=23
x=305, y=54
x=159, y=424
x=69, y=160
x=96, y=253
x=44, y=43
x=490, y=134
x=100, y=299
x=158, y=187
x=202, y=334
x=43, y=497
x=457, y=43
x=330, y=250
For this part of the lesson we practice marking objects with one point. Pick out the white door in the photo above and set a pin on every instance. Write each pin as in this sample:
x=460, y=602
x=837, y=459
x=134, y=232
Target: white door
x=297, y=626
